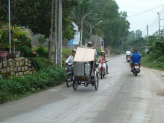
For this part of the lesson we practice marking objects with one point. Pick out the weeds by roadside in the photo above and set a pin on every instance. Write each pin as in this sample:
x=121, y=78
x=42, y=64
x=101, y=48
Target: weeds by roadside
x=152, y=63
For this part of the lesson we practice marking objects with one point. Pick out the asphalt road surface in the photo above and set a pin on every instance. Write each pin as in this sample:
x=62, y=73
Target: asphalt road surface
x=121, y=98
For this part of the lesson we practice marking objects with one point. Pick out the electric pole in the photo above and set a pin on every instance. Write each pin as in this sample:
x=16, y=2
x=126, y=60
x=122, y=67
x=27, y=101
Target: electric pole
x=147, y=32
x=159, y=22
x=60, y=34
x=56, y=28
x=81, y=33
x=90, y=31
x=52, y=30
x=9, y=25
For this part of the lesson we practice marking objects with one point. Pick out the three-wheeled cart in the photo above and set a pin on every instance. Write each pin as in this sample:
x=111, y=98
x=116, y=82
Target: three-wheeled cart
x=84, y=68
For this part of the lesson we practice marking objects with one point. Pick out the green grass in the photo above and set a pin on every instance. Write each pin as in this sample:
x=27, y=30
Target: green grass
x=152, y=63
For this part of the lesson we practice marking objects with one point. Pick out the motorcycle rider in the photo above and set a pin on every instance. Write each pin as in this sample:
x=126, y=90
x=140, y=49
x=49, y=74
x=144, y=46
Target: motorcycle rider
x=135, y=59
x=101, y=57
x=71, y=58
x=90, y=46
x=128, y=53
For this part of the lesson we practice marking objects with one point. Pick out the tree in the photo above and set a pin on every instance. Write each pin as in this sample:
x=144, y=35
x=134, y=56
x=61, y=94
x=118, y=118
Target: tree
x=114, y=25
x=80, y=12
x=35, y=15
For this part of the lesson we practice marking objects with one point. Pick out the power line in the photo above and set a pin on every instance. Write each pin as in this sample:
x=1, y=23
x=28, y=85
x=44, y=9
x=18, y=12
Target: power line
x=145, y=11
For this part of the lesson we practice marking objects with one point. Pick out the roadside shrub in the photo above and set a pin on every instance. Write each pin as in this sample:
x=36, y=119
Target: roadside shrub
x=41, y=63
x=41, y=39
x=27, y=52
x=143, y=54
x=161, y=59
x=41, y=51
x=98, y=51
x=66, y=52
x=114, y=50
x=42, y=79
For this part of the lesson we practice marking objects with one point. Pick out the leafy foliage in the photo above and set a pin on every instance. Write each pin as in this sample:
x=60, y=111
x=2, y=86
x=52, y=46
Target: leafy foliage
x=41, y=63
x=41, y=39
x=41, y=51
x=11, y=88
x=36, y=15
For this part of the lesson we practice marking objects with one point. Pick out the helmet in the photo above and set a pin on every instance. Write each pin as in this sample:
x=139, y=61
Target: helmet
x=102, y=51
x=90, y=42
x=74, y=50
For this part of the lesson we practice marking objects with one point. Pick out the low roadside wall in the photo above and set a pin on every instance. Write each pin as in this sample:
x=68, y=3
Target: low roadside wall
x=18, y=66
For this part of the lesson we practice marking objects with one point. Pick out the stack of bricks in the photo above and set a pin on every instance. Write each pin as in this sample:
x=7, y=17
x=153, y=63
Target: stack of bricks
x=17, y=66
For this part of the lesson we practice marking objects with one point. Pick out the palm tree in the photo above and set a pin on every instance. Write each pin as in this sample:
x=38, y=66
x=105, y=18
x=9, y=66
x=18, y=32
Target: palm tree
x=80, y=12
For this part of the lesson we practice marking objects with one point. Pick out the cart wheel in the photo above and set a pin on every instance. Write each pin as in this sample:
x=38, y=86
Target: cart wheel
x=75, y=85
x=96, y=82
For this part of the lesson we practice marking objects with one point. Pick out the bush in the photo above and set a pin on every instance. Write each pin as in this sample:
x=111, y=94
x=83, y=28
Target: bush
x=98, y=51
x=41, y=39
x=41, y=63
x=27, y=52
x=42, y=51
x=10, y=88
x=161, y=59
x=114, y=50
x=66, y=52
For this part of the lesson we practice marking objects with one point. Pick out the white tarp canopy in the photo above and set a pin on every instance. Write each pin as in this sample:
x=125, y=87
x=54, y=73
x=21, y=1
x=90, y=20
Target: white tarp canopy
x=84, y=55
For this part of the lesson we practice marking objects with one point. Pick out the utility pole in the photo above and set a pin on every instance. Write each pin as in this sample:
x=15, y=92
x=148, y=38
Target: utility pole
x=90, y=30
x=52, y=30
x=81, y=33
x=9, y=25
x=56, y=29
x=122, y=44
x=159, y=21
x=147, y=32
x=60, y=34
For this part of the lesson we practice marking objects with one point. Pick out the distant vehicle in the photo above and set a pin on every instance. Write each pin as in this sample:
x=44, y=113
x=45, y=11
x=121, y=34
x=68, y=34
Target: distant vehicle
x=102, y=68
x=128, y=59
x=136, y=69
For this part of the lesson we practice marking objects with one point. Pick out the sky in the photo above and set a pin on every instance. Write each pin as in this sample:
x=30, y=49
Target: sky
x=134, y=7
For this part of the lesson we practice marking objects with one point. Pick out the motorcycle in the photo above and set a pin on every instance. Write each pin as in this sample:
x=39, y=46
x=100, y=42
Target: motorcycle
x=136, y=69
x=69, y=74
x=128, y=59
x=102, y=68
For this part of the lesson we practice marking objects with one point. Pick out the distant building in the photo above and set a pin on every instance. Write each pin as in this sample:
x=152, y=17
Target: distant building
x=76, y=39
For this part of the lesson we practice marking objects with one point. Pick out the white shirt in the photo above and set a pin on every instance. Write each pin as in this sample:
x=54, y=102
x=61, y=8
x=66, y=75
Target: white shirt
x=128, y=53
x=70, y=59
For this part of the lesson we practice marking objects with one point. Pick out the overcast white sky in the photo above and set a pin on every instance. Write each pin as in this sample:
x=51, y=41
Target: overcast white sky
x=134, y=7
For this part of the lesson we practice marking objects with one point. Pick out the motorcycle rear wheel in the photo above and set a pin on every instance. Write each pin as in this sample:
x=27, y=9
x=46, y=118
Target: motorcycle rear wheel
x=136, y=73
x=101, y=73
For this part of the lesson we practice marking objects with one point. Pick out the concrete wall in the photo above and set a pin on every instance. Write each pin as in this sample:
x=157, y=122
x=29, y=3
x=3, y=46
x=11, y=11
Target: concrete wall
x=18, y=66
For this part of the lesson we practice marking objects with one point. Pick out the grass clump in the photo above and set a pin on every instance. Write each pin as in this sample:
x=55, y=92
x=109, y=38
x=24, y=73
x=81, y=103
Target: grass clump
x=152, y=63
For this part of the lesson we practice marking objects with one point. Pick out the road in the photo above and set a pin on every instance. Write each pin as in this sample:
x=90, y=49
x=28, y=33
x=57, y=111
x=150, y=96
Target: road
x=121, y=98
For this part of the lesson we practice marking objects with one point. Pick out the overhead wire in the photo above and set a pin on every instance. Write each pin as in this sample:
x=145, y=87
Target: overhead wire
x=145, y=11
x=154, y=26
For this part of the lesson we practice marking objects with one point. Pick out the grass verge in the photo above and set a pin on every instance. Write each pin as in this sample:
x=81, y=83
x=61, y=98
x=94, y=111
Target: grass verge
x=152, y=63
